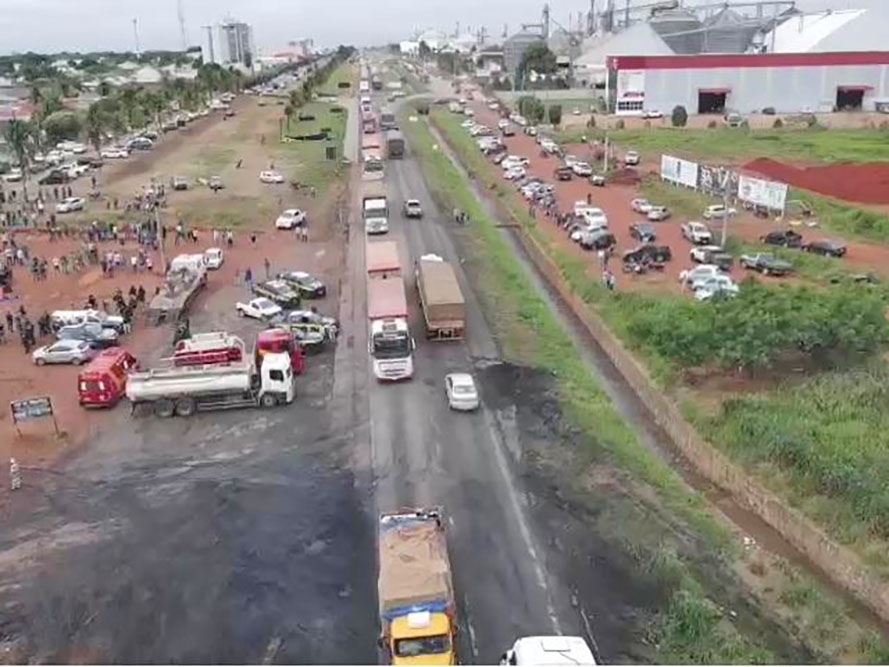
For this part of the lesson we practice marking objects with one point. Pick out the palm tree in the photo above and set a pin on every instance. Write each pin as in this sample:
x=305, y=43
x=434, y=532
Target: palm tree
x=19, y=136
x=154, y=104
x=129, y=101
x=289, y=110
x=95, y=126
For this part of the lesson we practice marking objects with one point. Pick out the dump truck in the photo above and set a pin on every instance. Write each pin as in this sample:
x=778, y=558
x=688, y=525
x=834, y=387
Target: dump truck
x=381, y=259
x=394, y=145
x=183, y=390
x=440, y=298
x=416, y=592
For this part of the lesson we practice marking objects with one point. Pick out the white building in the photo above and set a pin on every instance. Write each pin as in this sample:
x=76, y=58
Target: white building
x=230, y=43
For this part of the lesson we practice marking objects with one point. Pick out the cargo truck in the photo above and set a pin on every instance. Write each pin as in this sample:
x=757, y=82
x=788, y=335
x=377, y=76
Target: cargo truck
x=416, y=592
x=390, y=344
x=387, y=120
x=440, y=298
x=375, y=210
x=376, y=82
x=394, y=145
x=381, y=259
x=184, y=390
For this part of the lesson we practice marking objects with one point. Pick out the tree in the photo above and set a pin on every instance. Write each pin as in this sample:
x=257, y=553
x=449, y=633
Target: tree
x=61, y=125
x=95, y=126
x=19, y=136
x=555, y=114
x=679, y=117
x=248, y=60
x=289, y=110
x=104, y=89
x=537, y=58
x=424, y=51
x=531, y=108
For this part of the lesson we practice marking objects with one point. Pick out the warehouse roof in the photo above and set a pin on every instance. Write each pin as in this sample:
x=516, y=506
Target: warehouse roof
x=808, y=33
x=638, y=40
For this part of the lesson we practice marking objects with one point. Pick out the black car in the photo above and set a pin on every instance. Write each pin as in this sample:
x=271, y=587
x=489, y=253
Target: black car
x=305, y=283
x=784, y=238
x=825, y=247
x=643, y=232
x=55, y=177
x=278, y=291
x=648, y=252
x=564, y=173
x=766, y=263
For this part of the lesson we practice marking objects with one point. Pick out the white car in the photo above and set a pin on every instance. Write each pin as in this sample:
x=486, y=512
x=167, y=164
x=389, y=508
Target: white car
x=292, y=217
x=710, y=287
x=461, y=392
x=514, y=174
x=652, y=113
x=718, y=212
x=77, y=170
x=641, y=205
x=13, y=176
x=658, y=213
x=469, y=112
x=632, y=158
x=259, y=308
x=270, y=177
x=502, y=123
x=698, y=275
x=697, y=232
x=114, y=153
x=213, y=258
x=582, y=169
x=569, y=160
x=467, y=124
x=514, y=161
x=70, y=204
x=700, y=253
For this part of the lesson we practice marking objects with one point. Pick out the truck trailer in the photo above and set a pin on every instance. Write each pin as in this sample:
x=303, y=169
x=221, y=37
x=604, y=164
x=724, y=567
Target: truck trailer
x=394, y=145
x=381, y=260
x=184, y=390
x=415, y=588
x=375, y=209
x=390, y=344
x=440, y=298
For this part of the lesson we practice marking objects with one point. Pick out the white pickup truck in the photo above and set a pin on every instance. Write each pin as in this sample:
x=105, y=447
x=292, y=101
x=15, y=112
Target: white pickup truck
x=259, y=308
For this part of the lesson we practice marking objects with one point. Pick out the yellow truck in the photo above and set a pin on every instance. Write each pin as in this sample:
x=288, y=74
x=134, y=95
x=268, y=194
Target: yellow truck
x=416, y=592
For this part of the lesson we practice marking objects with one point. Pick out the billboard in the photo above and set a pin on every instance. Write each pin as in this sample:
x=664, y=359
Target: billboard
x=712, y=179
x=771, y=194
x=679, y=172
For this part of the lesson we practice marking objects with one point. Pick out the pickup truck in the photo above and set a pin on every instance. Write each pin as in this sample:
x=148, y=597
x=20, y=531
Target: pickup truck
x=766, y=263
x=278, y=291
x=258, y=309
x=697, y=232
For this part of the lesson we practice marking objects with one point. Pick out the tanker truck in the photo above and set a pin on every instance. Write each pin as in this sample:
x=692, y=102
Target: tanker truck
x=183, y=390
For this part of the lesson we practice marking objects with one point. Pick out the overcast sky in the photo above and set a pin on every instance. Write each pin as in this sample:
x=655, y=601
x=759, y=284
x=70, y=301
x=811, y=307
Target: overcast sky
x=87, y=25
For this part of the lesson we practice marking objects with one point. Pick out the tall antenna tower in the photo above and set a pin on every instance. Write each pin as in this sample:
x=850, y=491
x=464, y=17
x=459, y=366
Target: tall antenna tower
x=180, y=13
x=136, y=34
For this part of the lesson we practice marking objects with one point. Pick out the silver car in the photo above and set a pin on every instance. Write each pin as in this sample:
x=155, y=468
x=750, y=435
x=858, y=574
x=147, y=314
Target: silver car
x=66, y=351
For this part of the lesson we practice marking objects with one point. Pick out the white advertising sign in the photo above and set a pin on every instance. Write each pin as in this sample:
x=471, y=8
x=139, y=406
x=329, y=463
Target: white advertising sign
x=631, y=83
x=679, y=171
x=770, y=194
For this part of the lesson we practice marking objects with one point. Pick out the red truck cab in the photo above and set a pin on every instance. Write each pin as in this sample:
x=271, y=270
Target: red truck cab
x=103, y=382
x=280, y=340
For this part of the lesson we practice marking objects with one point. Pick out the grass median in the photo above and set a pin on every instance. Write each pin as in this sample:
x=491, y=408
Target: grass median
x=689, y=628
x=622, y=311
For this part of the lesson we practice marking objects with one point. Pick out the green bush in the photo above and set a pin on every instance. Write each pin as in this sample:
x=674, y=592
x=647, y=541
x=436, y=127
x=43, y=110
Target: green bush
x=531, y=108
x=679, y=117
x=555, y=114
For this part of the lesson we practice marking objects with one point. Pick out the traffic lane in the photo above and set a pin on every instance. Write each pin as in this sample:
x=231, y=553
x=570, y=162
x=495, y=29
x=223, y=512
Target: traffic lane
x=614, y=199
x=505, y=593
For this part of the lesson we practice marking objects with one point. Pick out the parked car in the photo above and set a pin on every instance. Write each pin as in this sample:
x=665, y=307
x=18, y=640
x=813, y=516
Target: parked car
x=734, y=119
x=825, y=247
x=766, y=263
x=643, y=232
x=717, y=212
x=596, y=239
x=114, y=153
x=215, y=183
x=270, y=177
x=96, y=335
x=139, y=144
x=70, y=204
x=514, y=173
x=259, y=309
x=508, y=131
x=461, y=392
x=292, y=217
x=640, y=205
x=55, y=177
x=213, y=258
x=563, y=173
x=711, y=254
x=717, y=285
x=698, y=275
x=632, y=158
x=308, y=285
x=330, y=325
x=68, y=351
x=530, y=130
x=652, y=113
x=180, y=183
x=648, y=251
x=658, y=213
x=412, y=208
x=598, y=180
x=582, y=169
x=784, y=238
x=697, y=232
x=278, y=291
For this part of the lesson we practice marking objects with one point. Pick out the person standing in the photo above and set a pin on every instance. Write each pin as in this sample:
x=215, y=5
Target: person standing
x=248, y=277
x=304, y=233
x=268, y=268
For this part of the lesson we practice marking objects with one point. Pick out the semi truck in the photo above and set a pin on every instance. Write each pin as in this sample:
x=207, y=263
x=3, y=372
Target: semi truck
x=381, y=260
x=394, y=145
x=415, y=589
x=387, y=120
x=390, y=344
x=440, y=298
x=376, y=82
x=184, y=390
x=375, y=210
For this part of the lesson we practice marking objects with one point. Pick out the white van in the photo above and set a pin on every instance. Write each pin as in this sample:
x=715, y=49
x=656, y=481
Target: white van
x=549, y=650
x=213, y=258
x=65, y=318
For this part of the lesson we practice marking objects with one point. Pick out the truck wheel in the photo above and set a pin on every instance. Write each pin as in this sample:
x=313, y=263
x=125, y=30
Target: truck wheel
x=268, y=401
x=164, y=408
x=185, y=407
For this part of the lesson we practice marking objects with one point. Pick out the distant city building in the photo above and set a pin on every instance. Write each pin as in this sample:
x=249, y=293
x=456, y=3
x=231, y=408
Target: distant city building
x=236, y=42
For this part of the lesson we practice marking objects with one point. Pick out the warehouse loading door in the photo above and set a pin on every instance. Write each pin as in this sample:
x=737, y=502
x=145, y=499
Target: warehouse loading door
x=850, y=98
x=712, y=100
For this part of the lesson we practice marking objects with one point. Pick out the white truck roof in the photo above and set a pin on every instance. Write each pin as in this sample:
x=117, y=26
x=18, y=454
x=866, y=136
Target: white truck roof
x=551, y=650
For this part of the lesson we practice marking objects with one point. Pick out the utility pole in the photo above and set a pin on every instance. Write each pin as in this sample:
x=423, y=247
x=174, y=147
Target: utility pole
x=136, y=34
x=725, y=185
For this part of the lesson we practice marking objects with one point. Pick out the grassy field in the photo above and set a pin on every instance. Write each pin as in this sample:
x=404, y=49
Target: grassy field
x=726, y=429
x=305, y=161
x=848, y=220
x=345, y=73
x=733, y=145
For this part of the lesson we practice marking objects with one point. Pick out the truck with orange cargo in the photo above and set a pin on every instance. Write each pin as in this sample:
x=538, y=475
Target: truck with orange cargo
x=441, y=299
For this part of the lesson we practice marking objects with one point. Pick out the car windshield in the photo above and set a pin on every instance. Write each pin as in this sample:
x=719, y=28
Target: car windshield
x=264, y=303
x=409, y=648
x=464, y=389
x=388, y=346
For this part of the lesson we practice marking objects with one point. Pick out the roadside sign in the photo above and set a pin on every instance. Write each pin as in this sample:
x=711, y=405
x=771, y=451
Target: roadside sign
x=32, y=409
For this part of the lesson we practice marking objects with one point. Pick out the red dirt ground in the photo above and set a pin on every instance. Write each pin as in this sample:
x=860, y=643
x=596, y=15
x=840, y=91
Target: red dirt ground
x=866, y=183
